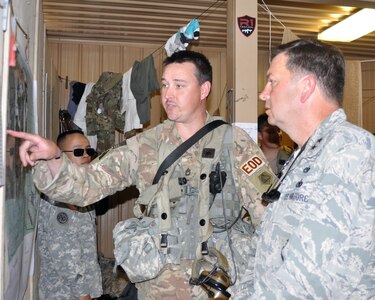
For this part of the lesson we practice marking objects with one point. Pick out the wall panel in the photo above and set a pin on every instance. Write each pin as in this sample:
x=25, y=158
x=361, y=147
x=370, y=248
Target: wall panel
x=368, y=93
x=214, y=98
x=263, y=65
x=112, y=58
x=130, y=55
x=90, y=62
x=68, y=69
x=53, y=50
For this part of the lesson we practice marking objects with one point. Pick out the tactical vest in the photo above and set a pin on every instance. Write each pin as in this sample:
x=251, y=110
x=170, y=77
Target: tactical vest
x=188, y=216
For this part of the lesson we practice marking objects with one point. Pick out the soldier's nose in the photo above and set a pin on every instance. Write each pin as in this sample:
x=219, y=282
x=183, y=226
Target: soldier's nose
x=264, y=95
x=169, y=94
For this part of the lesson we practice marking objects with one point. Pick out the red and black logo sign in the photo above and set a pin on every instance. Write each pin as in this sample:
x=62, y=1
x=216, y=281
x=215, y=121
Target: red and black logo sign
x=246, y=24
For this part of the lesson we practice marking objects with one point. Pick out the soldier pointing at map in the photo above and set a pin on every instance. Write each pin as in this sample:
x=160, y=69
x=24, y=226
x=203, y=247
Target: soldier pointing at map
x=200, y=181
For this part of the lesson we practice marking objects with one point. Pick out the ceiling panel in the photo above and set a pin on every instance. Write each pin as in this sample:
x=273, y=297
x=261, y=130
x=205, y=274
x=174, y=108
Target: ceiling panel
x=154, y=21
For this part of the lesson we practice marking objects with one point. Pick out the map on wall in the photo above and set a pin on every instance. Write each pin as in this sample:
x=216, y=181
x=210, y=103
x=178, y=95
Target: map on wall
x=20, y=193
x=1, y=154
x=250, y=128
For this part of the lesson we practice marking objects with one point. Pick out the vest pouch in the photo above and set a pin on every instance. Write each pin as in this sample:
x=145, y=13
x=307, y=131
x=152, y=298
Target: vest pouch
x=136, y=248
x=147, y=199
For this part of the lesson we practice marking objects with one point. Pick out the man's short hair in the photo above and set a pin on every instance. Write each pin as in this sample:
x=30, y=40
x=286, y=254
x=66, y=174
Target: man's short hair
x=324, y=61
x=62, y=136
x=201, y=62
x=262, y=121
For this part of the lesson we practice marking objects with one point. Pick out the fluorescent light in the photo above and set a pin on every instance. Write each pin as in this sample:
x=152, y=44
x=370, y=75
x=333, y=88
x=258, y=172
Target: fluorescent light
x=351, y=28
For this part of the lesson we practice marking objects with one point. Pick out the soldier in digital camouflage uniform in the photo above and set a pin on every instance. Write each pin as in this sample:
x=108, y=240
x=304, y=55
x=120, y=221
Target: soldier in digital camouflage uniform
x=184, y=207
x=317, y=238
x=69, y=267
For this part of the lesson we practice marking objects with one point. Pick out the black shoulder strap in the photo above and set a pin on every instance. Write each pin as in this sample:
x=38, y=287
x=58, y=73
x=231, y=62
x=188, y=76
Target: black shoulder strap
x=176, y=153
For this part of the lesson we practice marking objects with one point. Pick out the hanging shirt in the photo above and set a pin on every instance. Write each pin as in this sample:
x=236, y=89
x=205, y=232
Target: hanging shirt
x=80, y=115
x=129, y=105
x=143, y=82
x=76, y=91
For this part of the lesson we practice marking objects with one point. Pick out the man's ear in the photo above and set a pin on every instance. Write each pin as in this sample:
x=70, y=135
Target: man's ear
x=308, y=87
x=205, y=89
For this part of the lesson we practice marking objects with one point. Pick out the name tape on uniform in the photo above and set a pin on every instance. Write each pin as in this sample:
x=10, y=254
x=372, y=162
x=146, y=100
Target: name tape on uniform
x=252, y=165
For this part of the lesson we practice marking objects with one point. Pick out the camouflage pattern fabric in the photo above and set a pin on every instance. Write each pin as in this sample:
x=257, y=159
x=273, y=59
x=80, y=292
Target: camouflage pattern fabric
x=135, y=248
x=69, y=265
x=317, y=241
x=282, y=157
x=171, y=284
x=137, y=163
x=103, y=111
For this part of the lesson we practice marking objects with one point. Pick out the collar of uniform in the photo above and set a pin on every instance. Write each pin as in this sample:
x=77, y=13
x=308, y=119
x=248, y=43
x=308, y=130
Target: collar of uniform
x=170, y=133
x=322, y=132
x=174, y=137
x=212, y=118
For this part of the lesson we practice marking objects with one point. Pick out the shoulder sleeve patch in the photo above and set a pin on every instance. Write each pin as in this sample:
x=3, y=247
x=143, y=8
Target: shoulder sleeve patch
x=252, y=165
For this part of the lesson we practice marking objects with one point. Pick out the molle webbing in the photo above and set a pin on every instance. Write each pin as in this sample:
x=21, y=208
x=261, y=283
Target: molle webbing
x=185, y=220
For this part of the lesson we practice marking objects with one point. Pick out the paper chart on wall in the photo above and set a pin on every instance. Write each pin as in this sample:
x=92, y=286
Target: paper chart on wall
x=250, y=128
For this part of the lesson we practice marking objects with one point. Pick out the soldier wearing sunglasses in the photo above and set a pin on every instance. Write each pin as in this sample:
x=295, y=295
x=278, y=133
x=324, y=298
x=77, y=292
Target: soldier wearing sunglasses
x=78, y=152
x=69, y=267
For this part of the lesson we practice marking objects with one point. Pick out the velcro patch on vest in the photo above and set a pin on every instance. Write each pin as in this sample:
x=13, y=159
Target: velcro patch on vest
x=208, y=153
x=265, y=178
x=252, y=165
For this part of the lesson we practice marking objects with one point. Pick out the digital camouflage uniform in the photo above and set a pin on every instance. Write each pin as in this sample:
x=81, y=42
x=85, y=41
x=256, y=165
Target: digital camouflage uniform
x=136, y=164
x=69, y=265
x=317, y=241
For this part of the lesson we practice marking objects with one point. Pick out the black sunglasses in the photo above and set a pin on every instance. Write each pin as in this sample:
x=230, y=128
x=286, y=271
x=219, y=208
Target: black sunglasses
x=79, y=151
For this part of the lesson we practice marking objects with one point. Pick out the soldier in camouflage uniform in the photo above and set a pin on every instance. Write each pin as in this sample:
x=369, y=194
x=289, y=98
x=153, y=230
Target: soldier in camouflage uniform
x=181, y=205
x=317, y=237
x=69, y=267
x=269, y=138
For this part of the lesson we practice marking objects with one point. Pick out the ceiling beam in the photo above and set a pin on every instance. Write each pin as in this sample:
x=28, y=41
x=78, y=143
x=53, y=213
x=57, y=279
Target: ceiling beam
x=350, y=3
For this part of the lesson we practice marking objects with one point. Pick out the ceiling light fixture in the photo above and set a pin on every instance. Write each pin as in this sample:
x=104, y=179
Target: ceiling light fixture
x=351, y=28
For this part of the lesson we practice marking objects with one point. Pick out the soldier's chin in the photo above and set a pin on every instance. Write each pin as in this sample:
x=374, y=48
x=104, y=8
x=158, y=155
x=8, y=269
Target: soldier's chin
x=270, y=119
x=171, y=117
